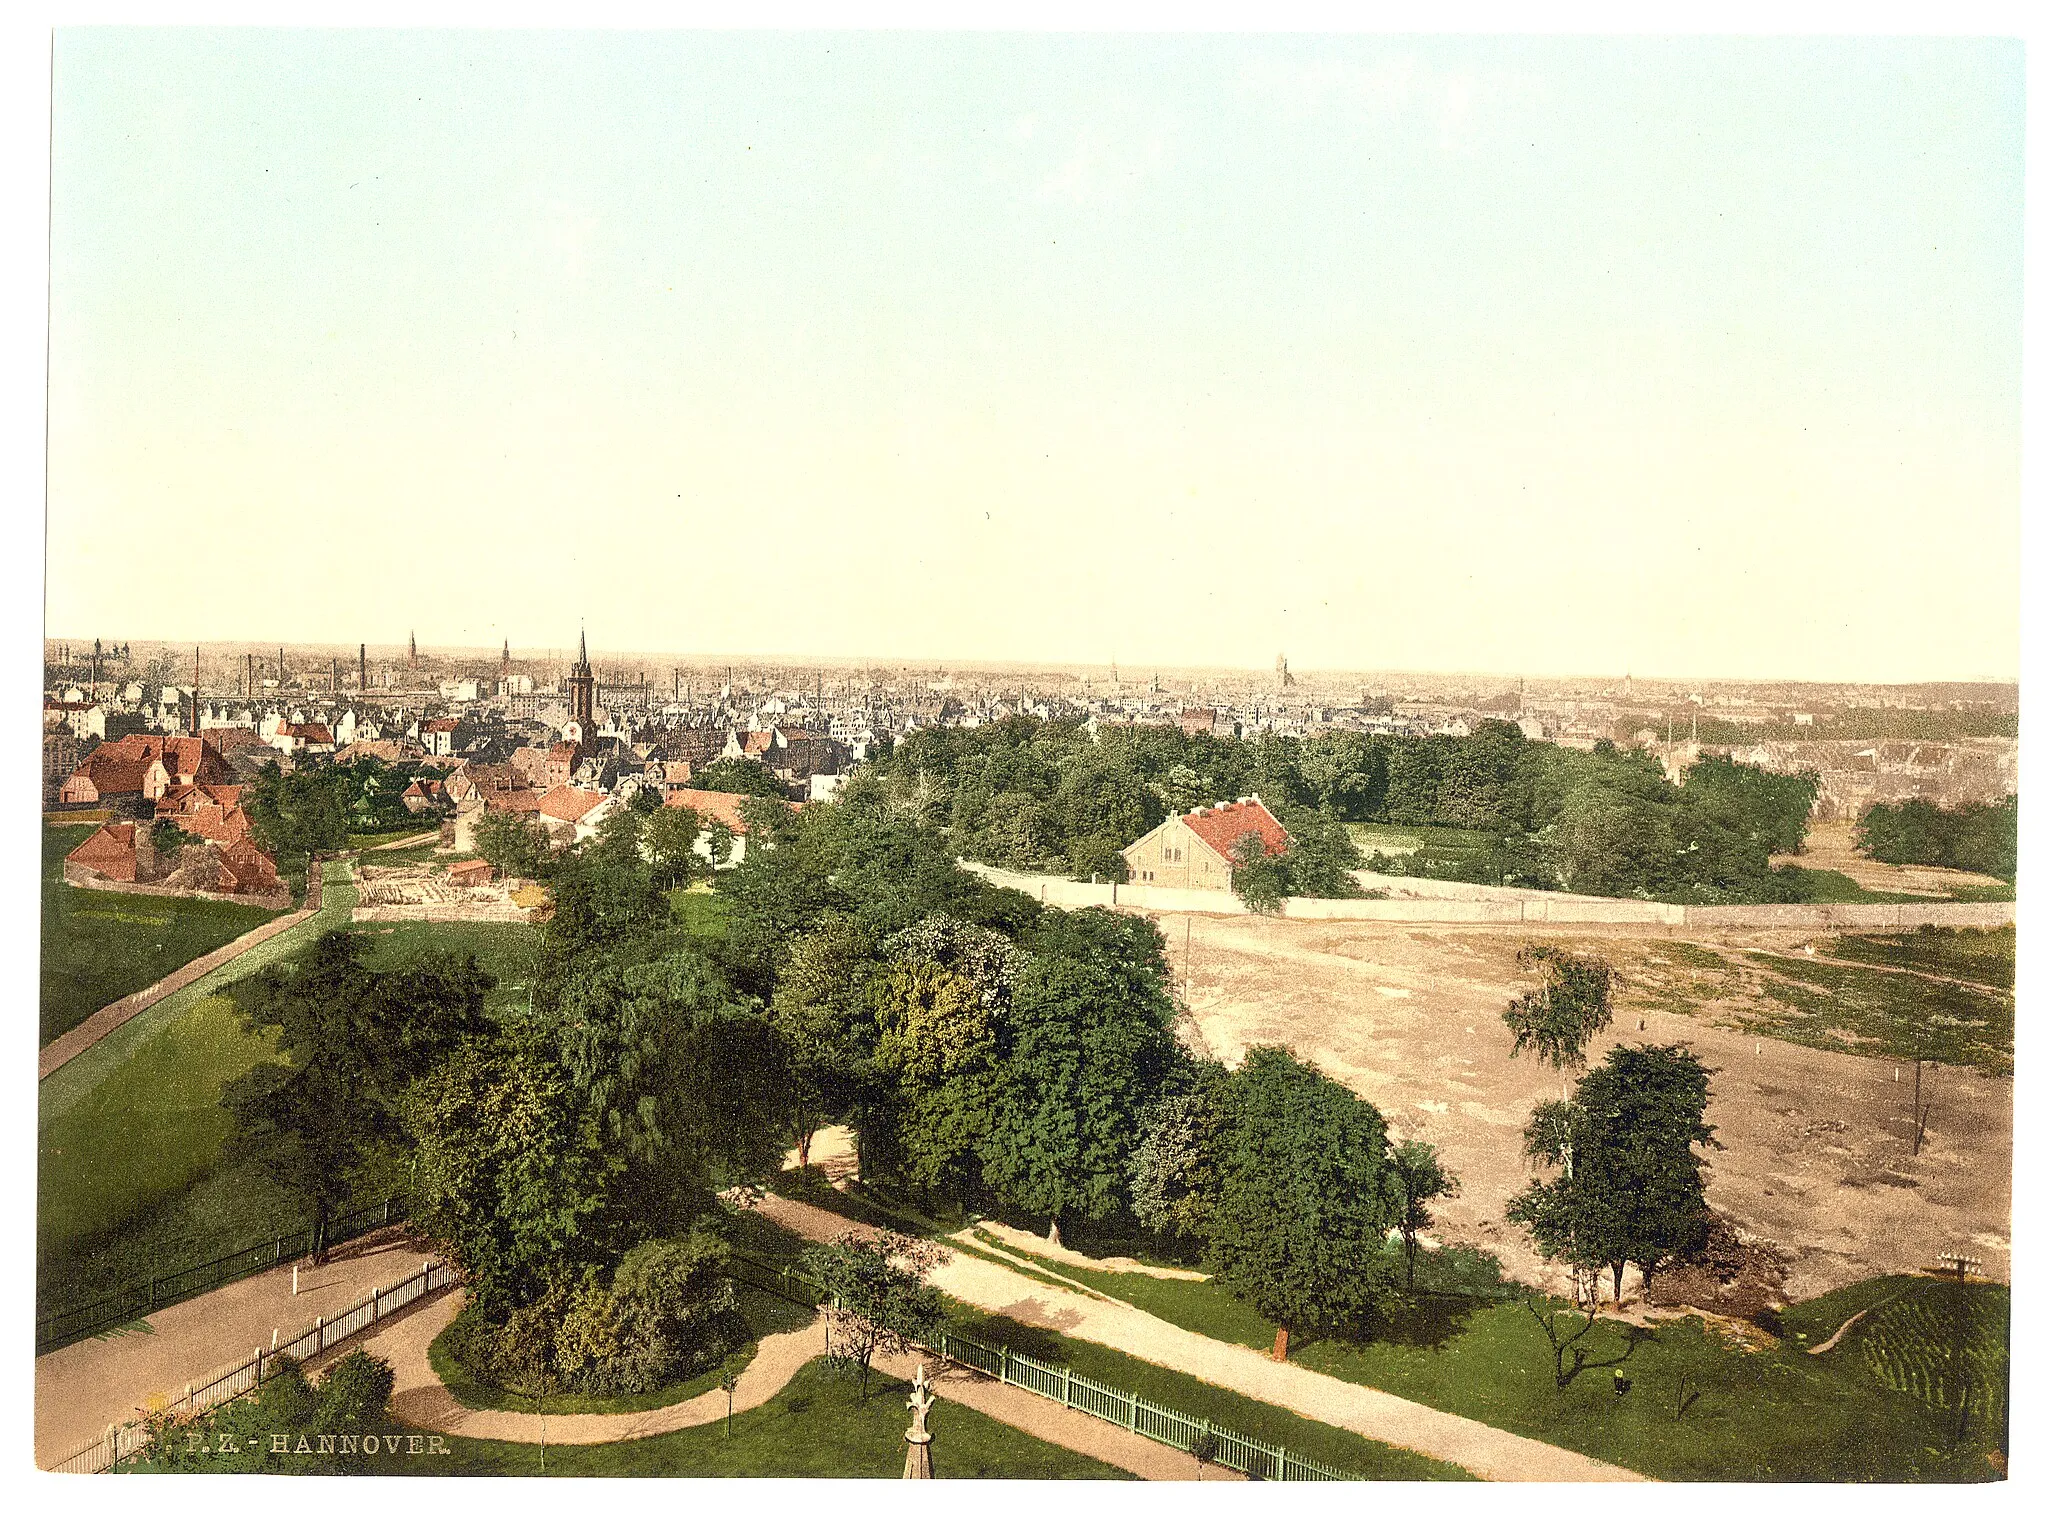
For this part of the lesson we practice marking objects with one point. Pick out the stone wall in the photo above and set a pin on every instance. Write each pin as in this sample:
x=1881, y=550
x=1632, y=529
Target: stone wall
x=1484, y=905
x=80, y=877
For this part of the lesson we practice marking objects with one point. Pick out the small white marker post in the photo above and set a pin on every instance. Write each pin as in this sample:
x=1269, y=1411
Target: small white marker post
x=295, y=1279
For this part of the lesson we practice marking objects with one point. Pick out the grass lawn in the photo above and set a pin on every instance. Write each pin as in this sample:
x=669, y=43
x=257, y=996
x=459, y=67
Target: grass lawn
x=1777, y=1414
x=1832, y=887
x=815, y=1428
x=128, y=1137
x=99, y=945
x=1981, y=956
x=507, y=950
x=765, y=1314
x=1885, y=1015
x=1197, y=1397
x=152, y=1128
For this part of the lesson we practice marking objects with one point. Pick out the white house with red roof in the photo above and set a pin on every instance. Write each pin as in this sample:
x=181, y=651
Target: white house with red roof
x=1194, y=851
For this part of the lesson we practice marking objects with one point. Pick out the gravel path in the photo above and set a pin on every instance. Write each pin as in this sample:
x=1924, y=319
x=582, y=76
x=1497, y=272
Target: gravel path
x=420, y=1399
x=82, y=1388
x=1486, y=1451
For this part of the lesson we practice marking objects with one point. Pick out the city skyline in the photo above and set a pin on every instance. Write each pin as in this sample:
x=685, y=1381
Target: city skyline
x=1698, y=356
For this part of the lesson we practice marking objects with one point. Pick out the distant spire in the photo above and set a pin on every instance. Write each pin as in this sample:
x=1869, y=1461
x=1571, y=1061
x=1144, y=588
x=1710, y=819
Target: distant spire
x=582, y=647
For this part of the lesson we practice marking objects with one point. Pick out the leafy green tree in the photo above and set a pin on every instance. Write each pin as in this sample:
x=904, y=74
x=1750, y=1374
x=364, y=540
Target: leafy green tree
x=1307, y=1198
x=822, y=1012
x=1420, y=1178
x=1174, y=1170
x=298, y=814
x=670, y=836
x=1320, y=857
x=739, y=776
x=514, y=844
x=877, y=1300
x=512, y=1174
x=1258, y=877
x=353, y=1399
x=1082, y=1058
x=683, y=1079
x=769, y=820
x=937, y=1049
x=351, y=1040
x=1631, y=1188
x=1571, y=1005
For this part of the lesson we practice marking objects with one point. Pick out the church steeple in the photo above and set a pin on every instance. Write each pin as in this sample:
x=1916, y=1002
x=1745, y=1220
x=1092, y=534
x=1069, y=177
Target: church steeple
x=582, y=688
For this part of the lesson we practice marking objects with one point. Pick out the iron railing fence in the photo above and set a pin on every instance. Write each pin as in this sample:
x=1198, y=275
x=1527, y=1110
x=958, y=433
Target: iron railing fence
x=133, y=1302
x=1251, y=1456
x=126, y=1440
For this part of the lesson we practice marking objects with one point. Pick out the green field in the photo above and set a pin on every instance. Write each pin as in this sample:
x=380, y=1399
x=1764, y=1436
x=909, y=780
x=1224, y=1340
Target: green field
x=1374, y=836
x=1776, y=1414
x=816, y=1427
x=129, y=1178
x=1881, y=1014
x=507, y=950
x=99, y=945
x=1833, y=887
x=1981, y=956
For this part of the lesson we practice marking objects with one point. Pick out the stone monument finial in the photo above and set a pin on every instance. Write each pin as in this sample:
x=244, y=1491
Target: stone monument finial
x=917, y=1456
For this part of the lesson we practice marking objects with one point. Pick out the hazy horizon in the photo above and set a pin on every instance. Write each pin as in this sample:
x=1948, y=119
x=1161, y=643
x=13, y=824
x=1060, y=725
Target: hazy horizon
x=1535, y=354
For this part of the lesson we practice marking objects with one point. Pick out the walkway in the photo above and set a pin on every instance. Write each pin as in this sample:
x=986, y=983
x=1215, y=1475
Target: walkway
x=1486, y=1451
x=80, y=1389
x=128, y=1007
x=420, y=1399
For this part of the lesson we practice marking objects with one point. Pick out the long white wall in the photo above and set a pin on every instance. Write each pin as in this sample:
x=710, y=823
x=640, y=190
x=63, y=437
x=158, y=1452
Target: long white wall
x=1485, y=905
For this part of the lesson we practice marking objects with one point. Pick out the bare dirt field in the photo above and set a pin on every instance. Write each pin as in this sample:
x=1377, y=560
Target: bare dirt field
x=1817, y=1157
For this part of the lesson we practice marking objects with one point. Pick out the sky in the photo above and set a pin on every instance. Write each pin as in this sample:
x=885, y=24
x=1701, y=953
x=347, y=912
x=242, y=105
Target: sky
x=1687, y=358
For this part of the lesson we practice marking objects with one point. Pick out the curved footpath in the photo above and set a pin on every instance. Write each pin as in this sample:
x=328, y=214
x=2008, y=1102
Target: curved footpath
x=1486, y=1451
x=420, y=1399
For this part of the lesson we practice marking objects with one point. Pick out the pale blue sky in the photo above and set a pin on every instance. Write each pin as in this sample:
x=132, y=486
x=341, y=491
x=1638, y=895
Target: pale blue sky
x=1693, y=357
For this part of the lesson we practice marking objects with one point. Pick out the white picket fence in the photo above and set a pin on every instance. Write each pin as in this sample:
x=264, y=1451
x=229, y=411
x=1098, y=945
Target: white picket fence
x=222, y=1385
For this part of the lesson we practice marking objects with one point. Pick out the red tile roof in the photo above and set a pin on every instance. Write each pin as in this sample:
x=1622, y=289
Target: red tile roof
x=1221, y=826
x=110, y=851
x=716, y=805
x=246, y=870
x=567, y=803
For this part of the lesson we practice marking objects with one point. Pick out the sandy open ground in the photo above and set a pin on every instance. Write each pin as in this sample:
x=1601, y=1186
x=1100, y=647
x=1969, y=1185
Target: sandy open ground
x=1818, y=1144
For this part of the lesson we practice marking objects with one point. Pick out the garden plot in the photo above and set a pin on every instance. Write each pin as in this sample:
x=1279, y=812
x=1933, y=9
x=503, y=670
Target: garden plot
x=423, y=892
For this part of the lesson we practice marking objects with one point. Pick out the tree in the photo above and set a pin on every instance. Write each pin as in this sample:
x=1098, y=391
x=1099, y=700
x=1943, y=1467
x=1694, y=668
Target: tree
x=937, y=1050
x=352, y=1040
x=877, y=1300
x=822, y=1012
x=769, y=820
x=1306, y=1199
x=1420, y=1178
x=1082, y=1059
x=1257, y=876
x=1564, y=1012
x=670, y=837
x=511, y=1174
x=1320, y=857
x=299, y=813
x=1174, y=1175
x=516, y=845
x=738, y=776
x=1631, y=1188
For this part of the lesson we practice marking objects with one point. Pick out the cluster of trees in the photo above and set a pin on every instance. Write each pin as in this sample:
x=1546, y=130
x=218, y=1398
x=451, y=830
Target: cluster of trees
x=1030, y=794
x=1984, y=839
x=988, y=1053
x=325, y=1428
